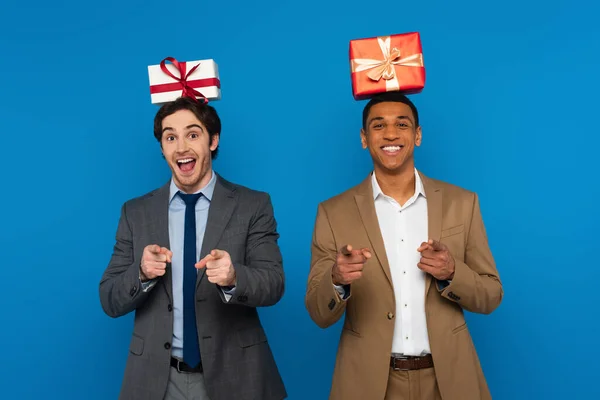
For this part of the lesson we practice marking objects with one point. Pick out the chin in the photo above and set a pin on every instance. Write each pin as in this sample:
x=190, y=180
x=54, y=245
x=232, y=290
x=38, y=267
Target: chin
x=390, y=166
x=188, y=180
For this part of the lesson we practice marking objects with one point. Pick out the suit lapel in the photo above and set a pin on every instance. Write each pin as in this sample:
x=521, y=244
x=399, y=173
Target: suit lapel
x=221, y=209
x=366, y=207
x=434, y=215
x=159, y=217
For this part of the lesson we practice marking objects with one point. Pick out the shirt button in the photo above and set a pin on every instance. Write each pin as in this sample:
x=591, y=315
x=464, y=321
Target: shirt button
x=390, y=315
x=406, y=305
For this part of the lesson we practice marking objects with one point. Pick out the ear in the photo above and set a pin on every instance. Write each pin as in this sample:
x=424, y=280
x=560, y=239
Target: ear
x=418, y=137
x=363, y=138
x=214, y=141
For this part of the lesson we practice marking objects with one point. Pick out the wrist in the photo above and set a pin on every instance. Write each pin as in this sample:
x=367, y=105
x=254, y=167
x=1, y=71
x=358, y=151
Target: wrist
x=143, y=277
x=453, y=271
x=333, y=278
x=233, y=280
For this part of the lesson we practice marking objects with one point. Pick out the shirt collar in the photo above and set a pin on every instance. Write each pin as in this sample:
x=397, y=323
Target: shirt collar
x=419, y=189
x=207, y=190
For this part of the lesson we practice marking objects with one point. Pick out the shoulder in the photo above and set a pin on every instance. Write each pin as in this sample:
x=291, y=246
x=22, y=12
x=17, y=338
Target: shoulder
x=342, y=199
x=450, y=190
x=140, y=201
x=243, y=193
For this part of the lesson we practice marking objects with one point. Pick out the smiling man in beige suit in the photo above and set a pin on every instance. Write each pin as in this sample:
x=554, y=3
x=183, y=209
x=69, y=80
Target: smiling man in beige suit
x=403, y=255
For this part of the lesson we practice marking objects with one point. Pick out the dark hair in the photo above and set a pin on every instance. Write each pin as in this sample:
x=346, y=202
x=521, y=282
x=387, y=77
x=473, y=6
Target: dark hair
x=385, y=97
x=204, y=112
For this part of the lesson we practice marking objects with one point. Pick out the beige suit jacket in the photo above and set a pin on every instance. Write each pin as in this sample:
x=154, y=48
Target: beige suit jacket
x=363, y=357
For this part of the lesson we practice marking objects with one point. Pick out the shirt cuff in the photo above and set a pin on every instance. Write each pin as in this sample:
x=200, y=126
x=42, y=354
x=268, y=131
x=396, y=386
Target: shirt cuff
x=341, y=289
x=443, y=284
x=228, y=292
x=146, y=286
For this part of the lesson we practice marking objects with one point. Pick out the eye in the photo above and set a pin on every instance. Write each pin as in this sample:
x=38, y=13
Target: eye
x=377, y=126
x=193, y=135
x=170, y=138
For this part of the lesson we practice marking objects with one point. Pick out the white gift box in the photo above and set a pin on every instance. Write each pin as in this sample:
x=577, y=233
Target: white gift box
x=169, y=81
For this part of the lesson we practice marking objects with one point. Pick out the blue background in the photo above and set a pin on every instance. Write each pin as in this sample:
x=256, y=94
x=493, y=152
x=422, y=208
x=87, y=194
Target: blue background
x=509, y=111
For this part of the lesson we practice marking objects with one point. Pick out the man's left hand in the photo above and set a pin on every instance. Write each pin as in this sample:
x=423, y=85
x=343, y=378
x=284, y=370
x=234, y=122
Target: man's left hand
x=436, y=260
x=219, y=268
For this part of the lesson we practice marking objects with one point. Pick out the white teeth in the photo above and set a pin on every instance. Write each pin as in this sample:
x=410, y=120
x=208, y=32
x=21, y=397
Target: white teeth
x=391, y=148
x=185, y=160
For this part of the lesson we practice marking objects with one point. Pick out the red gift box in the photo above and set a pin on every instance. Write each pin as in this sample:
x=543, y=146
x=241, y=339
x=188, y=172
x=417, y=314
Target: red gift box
x=386, y=64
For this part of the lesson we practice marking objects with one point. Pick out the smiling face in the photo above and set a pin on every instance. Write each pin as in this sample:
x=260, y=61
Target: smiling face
x=187, y=145
x=391, y=135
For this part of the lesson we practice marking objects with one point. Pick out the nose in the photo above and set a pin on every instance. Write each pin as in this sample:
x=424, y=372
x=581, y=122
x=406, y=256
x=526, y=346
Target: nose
x=390, y=133
x=182, y=146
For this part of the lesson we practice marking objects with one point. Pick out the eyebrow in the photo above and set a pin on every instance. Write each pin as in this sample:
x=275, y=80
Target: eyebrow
x=194, y=126
x=398, y=117
x=168, y=128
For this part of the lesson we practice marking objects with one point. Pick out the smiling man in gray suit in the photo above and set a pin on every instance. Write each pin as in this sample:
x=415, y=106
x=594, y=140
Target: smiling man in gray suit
x=194, y=259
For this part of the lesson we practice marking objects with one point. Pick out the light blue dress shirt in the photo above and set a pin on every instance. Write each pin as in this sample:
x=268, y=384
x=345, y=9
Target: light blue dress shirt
x=176, y=239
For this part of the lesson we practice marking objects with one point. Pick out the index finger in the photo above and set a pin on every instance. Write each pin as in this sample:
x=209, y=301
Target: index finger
x=217, y=253
x=202, y=263
x=437, y=245
x=167, y=252
x=346, y=250
x=154, y=248
x=424, y=246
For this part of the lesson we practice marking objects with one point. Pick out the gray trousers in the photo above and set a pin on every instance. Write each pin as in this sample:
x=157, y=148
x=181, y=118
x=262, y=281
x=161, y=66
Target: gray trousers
x=186, y=386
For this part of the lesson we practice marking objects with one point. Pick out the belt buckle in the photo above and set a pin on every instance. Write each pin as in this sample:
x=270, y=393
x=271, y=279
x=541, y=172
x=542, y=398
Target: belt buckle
x=400, y=358
x=178, y=364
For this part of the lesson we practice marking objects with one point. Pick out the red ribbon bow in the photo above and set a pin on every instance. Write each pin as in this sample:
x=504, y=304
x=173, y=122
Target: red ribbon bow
x=186, y=89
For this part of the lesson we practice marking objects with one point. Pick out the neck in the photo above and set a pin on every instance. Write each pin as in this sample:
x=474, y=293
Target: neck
x=399, y=185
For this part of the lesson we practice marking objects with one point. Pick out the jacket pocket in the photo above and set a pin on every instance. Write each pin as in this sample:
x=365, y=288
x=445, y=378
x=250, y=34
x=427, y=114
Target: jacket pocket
x=251, y=337
x=350, y=332
x=453, y=231
x=137, y=345
x=459, y=328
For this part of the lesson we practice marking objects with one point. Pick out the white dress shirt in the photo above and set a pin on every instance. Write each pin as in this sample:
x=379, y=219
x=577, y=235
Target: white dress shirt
x=404, y=228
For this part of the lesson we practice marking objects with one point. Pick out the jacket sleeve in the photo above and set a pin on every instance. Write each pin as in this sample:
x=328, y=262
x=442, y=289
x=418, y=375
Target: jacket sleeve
x=261, y=281
x=476, y=285
x=323, y=302
x=120, y=287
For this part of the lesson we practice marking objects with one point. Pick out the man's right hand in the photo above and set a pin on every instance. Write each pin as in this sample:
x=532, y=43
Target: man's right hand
x=154, y=261
x=349, y=265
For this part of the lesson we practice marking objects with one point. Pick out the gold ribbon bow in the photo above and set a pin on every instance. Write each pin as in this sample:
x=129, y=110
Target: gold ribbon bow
x=385, y=68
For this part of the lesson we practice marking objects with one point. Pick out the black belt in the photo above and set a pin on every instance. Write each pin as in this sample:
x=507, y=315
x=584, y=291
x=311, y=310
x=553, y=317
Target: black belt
x=183, y=367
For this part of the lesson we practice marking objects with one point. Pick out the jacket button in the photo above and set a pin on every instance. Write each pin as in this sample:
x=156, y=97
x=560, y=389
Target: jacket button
x=170, y=307
x=167, y=345
x=390, y=315
x=331, y=304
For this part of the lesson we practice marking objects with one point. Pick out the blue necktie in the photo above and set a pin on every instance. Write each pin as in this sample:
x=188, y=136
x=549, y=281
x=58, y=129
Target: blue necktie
x=191, y=349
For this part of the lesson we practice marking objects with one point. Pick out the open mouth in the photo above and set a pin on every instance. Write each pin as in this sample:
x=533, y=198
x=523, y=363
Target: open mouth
x=392, y=150
x=186, y=164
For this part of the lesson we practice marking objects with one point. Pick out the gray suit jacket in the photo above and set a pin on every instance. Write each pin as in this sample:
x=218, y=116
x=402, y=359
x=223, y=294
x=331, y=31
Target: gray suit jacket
x=237, y=360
